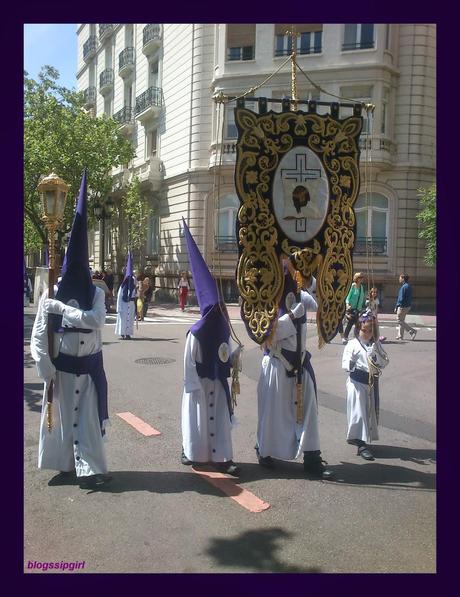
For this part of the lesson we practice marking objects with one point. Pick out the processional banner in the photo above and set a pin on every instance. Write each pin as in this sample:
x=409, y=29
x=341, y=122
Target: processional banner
x=297, y=178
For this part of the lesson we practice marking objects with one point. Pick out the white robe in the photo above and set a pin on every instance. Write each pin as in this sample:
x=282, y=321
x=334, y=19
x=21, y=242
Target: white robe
x=76, y=439
x=206, y=424
x=361, y=413
x=126, y=313
x=278, y=433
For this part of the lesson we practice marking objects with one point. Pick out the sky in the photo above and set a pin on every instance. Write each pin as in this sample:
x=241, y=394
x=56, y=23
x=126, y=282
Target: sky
x=53, y=44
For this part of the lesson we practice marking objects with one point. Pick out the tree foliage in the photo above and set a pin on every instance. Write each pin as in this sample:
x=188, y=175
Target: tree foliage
x=427, y=218
x=61, y=136
x=136, y=211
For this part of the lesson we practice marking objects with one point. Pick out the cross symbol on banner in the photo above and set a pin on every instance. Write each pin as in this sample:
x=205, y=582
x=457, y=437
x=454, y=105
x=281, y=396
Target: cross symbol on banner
x=301, y=172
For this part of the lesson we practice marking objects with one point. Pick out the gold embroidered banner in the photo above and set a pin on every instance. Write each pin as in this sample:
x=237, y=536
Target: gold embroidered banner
x=297, y=178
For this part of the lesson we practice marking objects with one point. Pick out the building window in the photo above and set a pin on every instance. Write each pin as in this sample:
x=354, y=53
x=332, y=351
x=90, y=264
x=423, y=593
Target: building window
x=387, y=37
x=108, y=106
x=152, y=142
x=226, y=222
x=153, y=74
x=372, y=219
x=384, y=115
x=128, y=101
x=241, y=41
x=153, y=235
x=230, y=130
x=358, y=37
x=361, y=93
x=309, y=39
x=129, y=36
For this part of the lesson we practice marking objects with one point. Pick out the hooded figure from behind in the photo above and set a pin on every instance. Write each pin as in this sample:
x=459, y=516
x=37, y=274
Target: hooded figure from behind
x=207, y=410
x=79, y=408
x=126, y=302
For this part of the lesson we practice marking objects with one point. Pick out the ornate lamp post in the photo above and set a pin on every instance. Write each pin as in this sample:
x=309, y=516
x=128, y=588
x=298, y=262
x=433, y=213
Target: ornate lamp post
x=53, y=191
x=102, y=212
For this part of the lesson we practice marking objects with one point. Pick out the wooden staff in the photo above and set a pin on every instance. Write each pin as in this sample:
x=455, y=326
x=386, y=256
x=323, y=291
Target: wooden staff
x=51, y=282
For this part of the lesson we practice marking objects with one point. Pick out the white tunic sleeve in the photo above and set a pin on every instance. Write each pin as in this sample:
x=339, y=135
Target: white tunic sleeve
x=92, y=319
x=351, y=355
x=192, y=352
x=308, y=301
x=39, y=343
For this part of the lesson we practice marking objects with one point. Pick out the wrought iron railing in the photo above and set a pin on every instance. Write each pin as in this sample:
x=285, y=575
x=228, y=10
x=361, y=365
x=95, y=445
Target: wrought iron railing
x=89, y=46
x=124, y=116
x=151, y=32
x=125, y=58
x=152, y=97
x=287, y=51
x=240, y=53
x=225, y=244
x=374, y=245
x=358, y=45
x=90, y=94
x=106, y=77
x=105, y=29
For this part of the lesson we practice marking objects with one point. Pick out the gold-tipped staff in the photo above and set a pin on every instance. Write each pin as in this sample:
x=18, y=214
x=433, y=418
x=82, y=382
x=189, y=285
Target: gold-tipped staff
x=53, y=192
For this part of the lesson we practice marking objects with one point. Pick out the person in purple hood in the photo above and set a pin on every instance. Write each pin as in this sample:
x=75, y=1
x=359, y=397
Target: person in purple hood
x=74, y=444
x=207, y=410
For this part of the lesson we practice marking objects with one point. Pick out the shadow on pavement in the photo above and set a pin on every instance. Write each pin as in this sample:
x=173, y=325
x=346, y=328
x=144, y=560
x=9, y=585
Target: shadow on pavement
x=33, y=394
x=255, y=549
x=159, y=482
x=406, y=454
x=383, y=475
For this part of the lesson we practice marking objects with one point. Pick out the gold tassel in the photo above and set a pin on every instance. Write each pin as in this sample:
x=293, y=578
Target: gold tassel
x=299, y=399
x=49, y=415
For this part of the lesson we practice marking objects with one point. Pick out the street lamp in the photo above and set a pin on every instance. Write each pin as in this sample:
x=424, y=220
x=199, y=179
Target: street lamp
x=102, y=212
x=53, y=192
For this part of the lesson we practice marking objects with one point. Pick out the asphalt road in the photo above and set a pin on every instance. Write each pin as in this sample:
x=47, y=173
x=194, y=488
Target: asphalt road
x=159, y=516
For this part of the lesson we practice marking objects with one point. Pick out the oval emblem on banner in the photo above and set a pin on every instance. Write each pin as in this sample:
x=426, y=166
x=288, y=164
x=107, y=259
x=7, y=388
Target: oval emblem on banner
x=224, y=352
x=300, y=194
x=73, y=303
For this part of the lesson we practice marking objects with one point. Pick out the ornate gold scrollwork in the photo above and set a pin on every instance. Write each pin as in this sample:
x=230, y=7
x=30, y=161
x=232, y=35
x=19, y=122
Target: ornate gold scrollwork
x=263, y=141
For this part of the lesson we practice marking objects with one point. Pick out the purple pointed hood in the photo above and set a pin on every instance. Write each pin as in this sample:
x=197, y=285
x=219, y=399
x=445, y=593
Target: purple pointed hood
x=212, y=330
x=129, y=283
x=76, y=283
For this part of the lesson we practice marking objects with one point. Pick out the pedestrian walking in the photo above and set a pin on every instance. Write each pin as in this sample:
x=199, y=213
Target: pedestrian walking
x=287, y=418
x=363, y=358
x=73, y=425
x=403, y=306
x=372, y=307
x=147, y=293
x=183, y=288
x=354, y=304
x=126, y=302
x=207, y=409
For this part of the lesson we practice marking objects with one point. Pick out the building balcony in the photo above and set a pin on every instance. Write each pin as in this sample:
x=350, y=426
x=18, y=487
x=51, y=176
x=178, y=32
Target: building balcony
x=106, y=81
x=376, y=246
x=151, y=38
x=149, y=104
x=151, y=173
x=125, y=118
x=223, y=154
x=89, y=95
x=126, y=61
x=89, y=48
x=226, y=244
x=105, y=32
x=377, y=151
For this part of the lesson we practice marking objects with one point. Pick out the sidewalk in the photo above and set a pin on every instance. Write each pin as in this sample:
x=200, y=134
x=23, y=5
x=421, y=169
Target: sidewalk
x=164, y=309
